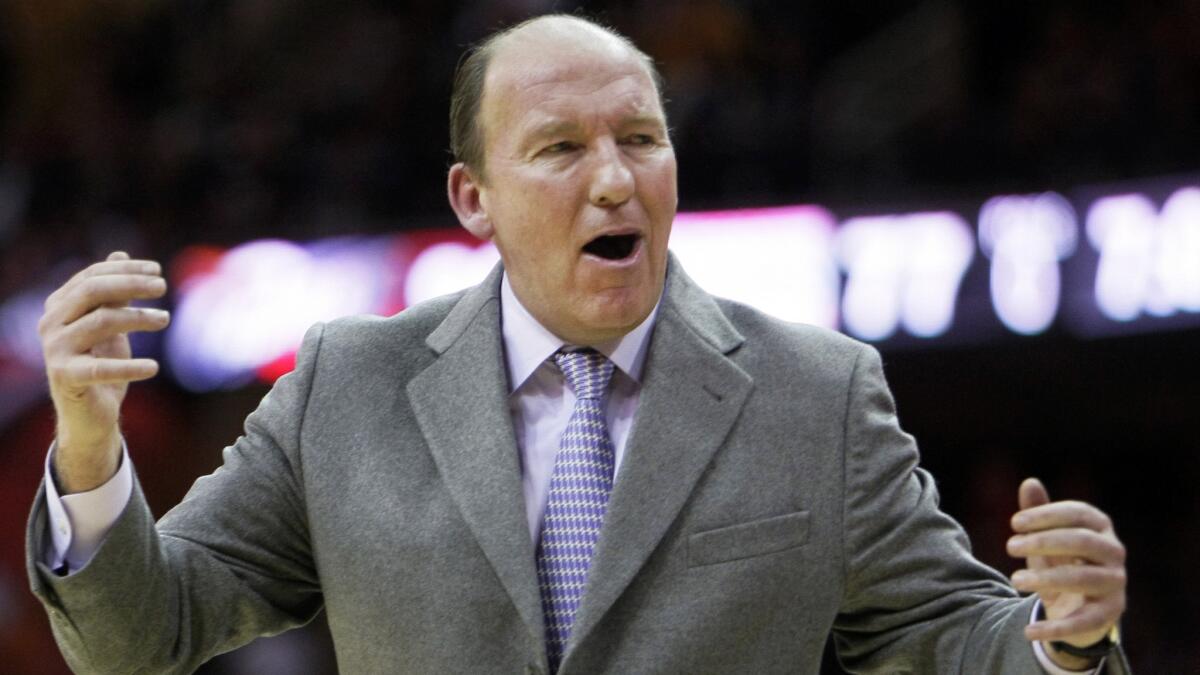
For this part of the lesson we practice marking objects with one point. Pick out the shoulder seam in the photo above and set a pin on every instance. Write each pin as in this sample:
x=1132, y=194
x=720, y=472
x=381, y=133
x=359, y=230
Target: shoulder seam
x=845, y=470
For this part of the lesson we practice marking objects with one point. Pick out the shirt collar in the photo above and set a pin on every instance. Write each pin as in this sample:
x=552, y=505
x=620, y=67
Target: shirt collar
x=527, y=343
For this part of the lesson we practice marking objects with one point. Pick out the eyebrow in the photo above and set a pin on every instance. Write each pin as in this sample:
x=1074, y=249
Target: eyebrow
x=557, y=127
x=644, y=119
x=554, y=128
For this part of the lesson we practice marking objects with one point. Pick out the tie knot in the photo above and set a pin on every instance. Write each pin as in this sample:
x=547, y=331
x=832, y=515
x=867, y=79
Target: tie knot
x=587, y=371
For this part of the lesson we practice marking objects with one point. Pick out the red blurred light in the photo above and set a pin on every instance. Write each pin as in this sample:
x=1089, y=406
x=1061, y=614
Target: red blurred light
x=276, y=369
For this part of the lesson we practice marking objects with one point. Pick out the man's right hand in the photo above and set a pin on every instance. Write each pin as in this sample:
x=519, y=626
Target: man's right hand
x=85, y=343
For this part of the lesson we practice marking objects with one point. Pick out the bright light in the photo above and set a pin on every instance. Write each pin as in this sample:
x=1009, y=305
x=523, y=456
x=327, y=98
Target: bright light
x=446, y=268
x=1149, y=261
x=777, y=260
x=902, y=270
x=1179, y=249
x=1026, y=236
x=254, y=307
x=1122, y=229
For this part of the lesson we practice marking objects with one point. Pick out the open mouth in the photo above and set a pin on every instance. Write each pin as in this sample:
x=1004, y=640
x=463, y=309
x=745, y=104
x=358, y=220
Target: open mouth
x=612, y=247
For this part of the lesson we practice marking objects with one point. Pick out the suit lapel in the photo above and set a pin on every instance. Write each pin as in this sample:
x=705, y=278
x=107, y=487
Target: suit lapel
x=460, y=402
x=692, y=394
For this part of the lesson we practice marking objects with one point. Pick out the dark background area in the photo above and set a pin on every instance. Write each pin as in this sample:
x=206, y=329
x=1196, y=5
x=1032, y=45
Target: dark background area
x=154, y=125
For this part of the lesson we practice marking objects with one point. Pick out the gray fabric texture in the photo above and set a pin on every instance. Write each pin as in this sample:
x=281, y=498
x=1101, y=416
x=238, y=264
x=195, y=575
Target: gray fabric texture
x=767, y=497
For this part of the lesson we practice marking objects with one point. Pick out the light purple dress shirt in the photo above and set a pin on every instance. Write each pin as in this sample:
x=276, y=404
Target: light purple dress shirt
x=541, y=402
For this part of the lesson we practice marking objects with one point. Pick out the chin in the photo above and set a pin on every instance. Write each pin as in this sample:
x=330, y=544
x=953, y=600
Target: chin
x=610, y=321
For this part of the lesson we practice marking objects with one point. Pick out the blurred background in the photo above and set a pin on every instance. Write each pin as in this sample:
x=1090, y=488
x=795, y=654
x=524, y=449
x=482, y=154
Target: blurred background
x=1043, y=156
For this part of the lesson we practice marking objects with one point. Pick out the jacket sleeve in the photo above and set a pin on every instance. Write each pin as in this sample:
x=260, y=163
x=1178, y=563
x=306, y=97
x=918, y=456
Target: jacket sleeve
x=916, y=600
x=230, y=563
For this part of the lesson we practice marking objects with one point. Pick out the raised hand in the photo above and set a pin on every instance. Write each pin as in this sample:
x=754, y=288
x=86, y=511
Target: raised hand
x=84, y=333
x=1074, y=562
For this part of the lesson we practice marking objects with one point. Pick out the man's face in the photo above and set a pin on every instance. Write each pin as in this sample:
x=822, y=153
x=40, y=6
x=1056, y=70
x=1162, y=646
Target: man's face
x=580, y=183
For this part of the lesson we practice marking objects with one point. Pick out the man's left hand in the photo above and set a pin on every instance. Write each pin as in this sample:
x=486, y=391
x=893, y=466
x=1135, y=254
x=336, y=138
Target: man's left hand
x=1074, y=562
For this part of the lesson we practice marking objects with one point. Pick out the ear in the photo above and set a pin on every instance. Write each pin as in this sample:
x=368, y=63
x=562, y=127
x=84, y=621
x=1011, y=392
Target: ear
x=466, y=200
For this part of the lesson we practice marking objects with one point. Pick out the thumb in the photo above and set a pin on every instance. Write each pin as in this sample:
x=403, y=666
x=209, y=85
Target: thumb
x=1032, y=493
x=118, y=255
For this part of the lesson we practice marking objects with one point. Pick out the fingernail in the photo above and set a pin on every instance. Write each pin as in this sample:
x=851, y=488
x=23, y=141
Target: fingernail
x=158, y=314
x=1021, y=577
x=1020, y=520
x=151, y=268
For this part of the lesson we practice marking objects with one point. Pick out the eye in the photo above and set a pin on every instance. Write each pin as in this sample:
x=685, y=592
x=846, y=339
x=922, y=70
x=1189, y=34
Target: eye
x=559, y=148
x=639, y=139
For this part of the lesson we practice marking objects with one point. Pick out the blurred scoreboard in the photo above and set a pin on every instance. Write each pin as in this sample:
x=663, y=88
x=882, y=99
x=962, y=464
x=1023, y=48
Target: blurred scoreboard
x=1098, y=261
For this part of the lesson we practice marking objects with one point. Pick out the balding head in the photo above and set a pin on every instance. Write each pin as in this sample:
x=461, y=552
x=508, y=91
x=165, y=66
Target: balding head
x=467, y=133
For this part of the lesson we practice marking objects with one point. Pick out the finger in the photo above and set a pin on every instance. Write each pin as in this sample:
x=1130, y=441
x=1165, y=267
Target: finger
x=123, y=266
x=1069, y=543
x=1089, y=580
x=106, y=322
x=85, y=371
x=1094, y=618
x=1032, y=493
x=108, y=289
x=110, y=266
x=1065, y=514
x=118, y=255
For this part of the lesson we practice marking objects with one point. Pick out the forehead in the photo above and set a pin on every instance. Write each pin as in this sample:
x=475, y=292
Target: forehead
x=548, y=79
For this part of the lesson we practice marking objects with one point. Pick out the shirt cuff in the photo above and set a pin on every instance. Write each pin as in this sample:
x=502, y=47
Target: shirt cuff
x=1044, y=659
x=80, y=522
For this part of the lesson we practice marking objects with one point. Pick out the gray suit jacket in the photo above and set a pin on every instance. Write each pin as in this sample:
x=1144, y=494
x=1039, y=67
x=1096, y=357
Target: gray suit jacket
x=767, y=497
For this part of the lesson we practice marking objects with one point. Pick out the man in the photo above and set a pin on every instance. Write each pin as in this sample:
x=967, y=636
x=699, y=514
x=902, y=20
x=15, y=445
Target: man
x=585, y=464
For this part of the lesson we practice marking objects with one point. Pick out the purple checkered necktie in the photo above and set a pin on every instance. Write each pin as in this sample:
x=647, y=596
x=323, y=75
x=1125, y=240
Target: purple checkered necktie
x=579, y=490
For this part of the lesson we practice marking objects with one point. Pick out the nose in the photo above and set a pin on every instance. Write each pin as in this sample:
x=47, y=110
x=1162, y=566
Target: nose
x=612, y=181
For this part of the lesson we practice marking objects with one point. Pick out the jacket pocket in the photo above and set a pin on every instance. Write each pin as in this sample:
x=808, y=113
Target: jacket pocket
x=746, y=540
